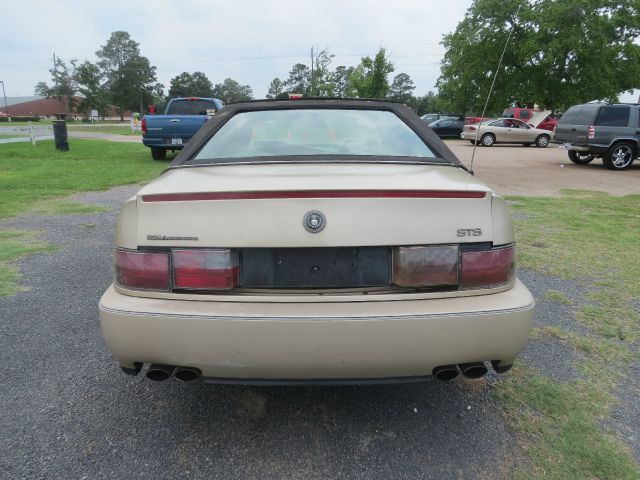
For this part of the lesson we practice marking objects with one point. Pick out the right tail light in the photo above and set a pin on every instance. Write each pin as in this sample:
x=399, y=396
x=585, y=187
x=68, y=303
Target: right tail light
x=448, y=265
x=592, y=132
x=487, y=268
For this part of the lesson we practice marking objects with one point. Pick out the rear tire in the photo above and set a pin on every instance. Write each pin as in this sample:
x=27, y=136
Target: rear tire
x=580, y=158
x=620, y=156
x=158, y=153
x=488, y=139
x=542, y=141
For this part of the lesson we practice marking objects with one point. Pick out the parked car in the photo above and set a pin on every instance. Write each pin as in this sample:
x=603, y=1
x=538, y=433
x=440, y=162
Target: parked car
x=592, y=130
x=506, y=130
x=543, y=120
x=447, y=127
x=429, y=118
x=182, y=118
x=315, y=241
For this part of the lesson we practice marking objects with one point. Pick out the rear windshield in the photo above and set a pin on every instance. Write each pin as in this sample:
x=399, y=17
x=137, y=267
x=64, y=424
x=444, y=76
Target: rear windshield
x=579, y=115
x=570, y=115
x=296, y=132
x=191, y=107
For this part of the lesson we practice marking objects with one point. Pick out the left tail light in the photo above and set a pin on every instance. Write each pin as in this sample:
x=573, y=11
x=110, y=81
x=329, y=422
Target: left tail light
x=143, y=125
x=180, y=269
x=142, y=270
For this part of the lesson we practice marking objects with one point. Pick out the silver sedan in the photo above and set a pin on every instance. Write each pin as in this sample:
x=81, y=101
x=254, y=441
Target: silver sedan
x=506, y=130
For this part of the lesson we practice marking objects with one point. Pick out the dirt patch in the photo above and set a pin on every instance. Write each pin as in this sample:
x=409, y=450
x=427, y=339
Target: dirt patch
x=540, y=172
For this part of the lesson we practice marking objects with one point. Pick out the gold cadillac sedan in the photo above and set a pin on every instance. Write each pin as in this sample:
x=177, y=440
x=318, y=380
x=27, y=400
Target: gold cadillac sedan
x=315, y=241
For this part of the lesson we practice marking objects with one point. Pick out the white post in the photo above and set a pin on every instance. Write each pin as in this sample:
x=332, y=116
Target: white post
x=31, y=135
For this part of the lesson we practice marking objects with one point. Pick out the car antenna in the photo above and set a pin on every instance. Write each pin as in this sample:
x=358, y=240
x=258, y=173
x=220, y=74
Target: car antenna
x=495, y=75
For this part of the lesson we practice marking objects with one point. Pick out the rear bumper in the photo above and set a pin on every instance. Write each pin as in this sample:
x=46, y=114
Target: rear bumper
x=317, y=341
x=582, y=148
x=163, y=143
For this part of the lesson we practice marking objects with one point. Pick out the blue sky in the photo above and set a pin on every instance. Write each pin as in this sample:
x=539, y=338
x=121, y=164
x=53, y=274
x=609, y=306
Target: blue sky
x=251, y=41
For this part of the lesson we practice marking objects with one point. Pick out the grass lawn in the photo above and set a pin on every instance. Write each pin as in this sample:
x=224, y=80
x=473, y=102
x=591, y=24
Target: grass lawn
x=36, y=180
x=592, y=239
x=31, y=174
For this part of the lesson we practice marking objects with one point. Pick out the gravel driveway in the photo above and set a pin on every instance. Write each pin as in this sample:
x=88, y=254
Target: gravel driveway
x=68, y=411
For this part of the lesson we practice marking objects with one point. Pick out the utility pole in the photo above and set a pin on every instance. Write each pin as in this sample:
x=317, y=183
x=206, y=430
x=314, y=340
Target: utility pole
x=311, y=82
x=6, y=105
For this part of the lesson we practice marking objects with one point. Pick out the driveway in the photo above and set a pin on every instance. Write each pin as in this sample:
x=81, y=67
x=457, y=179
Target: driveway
x=68, y=411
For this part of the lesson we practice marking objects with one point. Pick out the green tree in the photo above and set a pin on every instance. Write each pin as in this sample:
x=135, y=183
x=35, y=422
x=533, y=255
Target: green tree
x=130, y=78
x=88, y=78
x=401, y=90
x=341, y=85
x=230, y=91
x=428, y=103
x=194, y=84
x=299, y=80
x=64, y=84
x=42, y=89
x=369, y=79
x=276, y=89
x=562, y=52
x=322, y=79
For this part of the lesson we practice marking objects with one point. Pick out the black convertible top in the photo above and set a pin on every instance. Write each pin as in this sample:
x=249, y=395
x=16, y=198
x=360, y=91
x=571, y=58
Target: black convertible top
x=442, y=152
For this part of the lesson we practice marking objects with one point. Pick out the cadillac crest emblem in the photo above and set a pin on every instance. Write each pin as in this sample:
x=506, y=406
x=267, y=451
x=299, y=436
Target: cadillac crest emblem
x=314, y=221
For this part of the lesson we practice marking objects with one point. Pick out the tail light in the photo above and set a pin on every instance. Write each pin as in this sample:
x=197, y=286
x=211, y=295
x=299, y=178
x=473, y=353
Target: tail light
x=472, y=129
x=144, y=125
x=592, y=132
x=149, y=271
x=192, y=269
x=205, y=269
x=487, y=268
x=425, y=266
x=447, y=265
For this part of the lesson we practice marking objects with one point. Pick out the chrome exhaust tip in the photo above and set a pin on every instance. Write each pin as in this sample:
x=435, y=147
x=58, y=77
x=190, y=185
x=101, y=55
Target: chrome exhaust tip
x=473, y=369
x=159, y=373
x=445, y=373
x=187, y=374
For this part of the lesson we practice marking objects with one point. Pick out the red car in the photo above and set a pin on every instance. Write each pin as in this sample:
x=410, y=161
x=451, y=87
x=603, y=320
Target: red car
x=549, y=122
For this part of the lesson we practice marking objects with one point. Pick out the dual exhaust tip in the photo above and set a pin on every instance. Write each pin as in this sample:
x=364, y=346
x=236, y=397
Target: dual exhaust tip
x=160, y=373
x=473, y=370
x=445, y=373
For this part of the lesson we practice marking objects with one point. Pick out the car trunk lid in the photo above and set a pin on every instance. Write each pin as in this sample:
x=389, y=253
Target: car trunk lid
x=259, y=206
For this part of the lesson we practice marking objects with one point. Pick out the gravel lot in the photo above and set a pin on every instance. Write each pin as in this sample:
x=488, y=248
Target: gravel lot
x=68, y=411
x=530, y=171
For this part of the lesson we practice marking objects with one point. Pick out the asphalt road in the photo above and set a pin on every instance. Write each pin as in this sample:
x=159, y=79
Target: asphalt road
x=68, y=412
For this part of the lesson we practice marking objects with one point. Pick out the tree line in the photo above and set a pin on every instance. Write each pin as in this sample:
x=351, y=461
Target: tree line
x=561, y=53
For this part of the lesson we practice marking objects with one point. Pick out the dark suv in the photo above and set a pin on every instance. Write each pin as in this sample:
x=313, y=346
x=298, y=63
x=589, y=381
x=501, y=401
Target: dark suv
x=601, y=130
